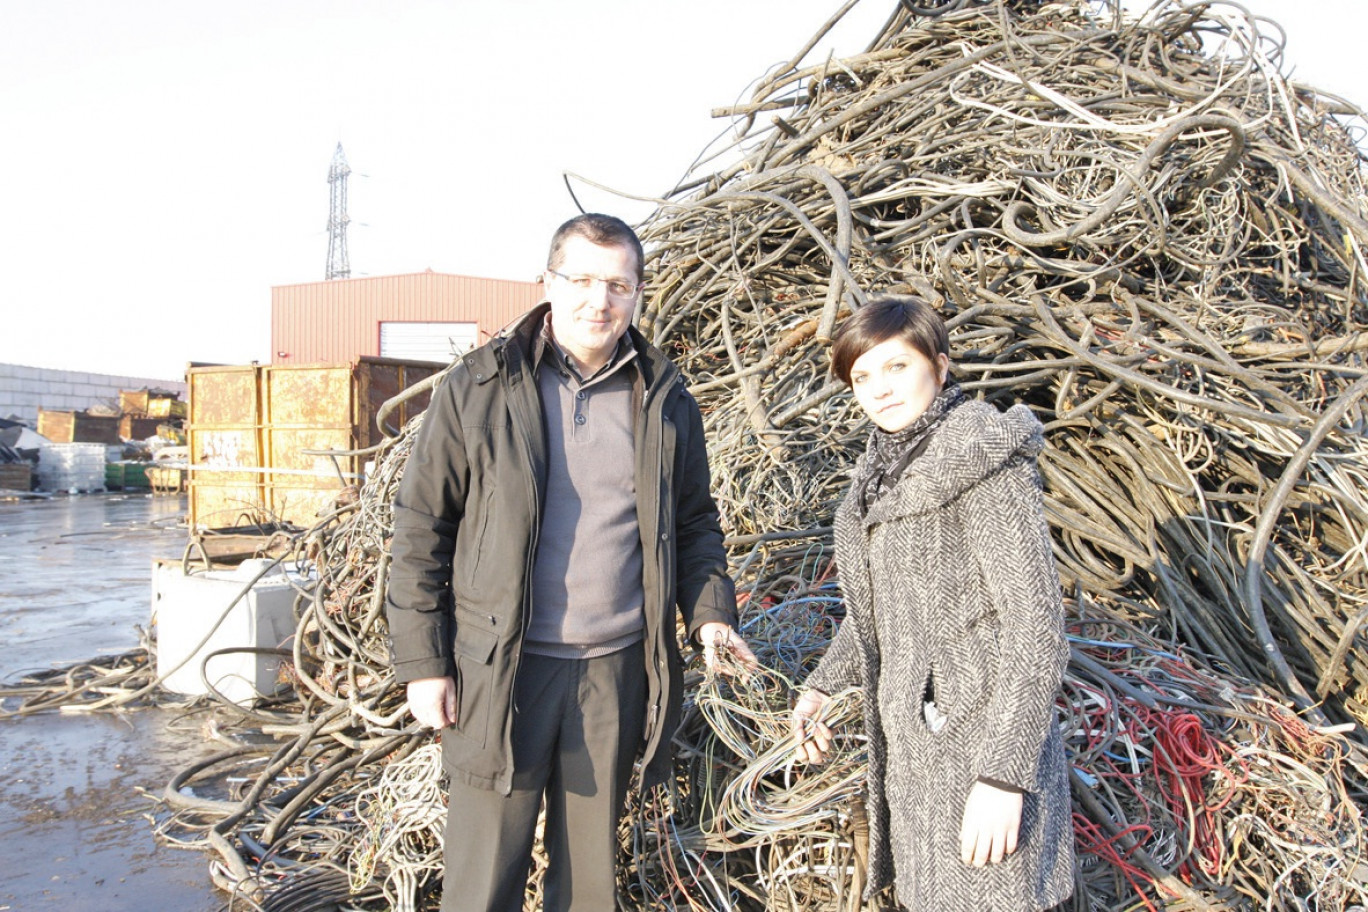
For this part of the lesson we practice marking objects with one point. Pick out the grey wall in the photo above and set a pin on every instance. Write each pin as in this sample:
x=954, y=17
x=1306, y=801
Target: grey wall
x=24, y=390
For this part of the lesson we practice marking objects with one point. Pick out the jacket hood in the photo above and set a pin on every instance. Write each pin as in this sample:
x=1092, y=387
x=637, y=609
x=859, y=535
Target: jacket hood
x=973, y=442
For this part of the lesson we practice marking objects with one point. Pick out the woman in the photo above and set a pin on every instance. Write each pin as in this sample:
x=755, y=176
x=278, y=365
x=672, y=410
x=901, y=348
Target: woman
x=953, y=629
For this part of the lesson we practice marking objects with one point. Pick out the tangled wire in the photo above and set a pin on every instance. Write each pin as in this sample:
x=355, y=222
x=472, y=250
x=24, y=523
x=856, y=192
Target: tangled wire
x=1139, y=228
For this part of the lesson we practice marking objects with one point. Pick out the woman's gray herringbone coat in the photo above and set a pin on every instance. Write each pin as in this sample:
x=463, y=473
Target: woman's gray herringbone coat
x=949, y=580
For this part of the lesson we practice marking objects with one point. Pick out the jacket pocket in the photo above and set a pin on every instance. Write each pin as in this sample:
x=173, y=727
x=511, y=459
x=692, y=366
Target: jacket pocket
x=474, y=651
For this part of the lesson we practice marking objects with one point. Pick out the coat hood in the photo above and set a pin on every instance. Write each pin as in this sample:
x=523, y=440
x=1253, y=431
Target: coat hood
x=973, y=442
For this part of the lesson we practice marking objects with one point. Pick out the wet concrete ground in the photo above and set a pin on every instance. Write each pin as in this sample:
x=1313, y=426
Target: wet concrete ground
x=75, y=584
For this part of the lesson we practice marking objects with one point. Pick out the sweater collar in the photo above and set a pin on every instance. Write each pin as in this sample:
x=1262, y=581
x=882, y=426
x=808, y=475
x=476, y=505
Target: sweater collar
x=545, y=349
x=656, y=369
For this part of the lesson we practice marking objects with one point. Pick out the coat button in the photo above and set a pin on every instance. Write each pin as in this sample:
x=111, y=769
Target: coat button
x=664, y=536
x=580, y=419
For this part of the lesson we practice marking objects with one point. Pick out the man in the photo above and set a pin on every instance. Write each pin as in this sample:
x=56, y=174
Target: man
x=553, y=515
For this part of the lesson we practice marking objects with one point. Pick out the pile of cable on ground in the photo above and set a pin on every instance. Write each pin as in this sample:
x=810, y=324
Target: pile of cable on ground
x=1139, y=228
x=1191, y=784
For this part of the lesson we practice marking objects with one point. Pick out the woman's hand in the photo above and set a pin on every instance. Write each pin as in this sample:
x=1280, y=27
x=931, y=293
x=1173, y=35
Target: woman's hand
x=813, y=737
x=991, y=825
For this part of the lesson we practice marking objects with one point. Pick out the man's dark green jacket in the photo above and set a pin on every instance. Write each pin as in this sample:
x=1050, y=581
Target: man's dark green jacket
x=466, y=520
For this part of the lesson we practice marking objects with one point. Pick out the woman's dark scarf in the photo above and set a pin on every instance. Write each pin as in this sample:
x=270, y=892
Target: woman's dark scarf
x=891, y=454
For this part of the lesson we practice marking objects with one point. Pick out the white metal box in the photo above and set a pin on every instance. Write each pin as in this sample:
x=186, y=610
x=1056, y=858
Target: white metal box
x=192, y=618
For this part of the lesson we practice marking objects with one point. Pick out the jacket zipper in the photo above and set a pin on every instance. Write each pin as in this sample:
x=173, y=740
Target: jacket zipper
x=526, y=607
x=662, y=674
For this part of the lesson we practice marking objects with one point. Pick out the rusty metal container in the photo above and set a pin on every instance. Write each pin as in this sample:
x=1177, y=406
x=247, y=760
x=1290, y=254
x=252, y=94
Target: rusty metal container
x=134, y=402
x=163, y=479
x=16, y=476
x=135, y=427
x=254, y=432
x=149, y=402
x=78, y=427
x=167, y=408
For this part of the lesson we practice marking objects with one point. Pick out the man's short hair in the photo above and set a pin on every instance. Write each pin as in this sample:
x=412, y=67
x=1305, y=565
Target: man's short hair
x=600, y=229
x=883, y=318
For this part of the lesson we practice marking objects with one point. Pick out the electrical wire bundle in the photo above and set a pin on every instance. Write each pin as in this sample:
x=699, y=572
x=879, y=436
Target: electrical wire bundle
x=1139, y=227
x=1192, y=788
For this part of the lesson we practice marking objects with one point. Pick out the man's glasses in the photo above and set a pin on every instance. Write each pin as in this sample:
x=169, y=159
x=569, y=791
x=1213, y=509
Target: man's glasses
x=616, y=287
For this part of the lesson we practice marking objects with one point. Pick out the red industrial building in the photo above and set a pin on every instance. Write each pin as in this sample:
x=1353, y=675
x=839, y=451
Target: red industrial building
x=425, y=316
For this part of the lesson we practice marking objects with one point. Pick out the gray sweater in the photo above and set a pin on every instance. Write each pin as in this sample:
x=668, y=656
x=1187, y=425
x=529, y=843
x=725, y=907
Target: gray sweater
x=586, y=579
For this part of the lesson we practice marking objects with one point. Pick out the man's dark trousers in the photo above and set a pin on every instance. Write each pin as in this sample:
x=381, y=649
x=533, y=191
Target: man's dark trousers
x=577, y=728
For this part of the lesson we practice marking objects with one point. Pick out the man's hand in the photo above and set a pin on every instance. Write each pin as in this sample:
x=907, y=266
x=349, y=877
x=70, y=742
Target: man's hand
x=714, y=636
x=813, y=737
x=433, y=701
x=992, y=823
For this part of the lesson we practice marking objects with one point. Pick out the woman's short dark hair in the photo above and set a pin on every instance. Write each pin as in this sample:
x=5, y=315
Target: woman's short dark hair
x=600, y=229
x=888, y=317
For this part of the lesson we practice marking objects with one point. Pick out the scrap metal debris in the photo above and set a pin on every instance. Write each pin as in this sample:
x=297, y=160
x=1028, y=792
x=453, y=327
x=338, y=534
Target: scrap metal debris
x=1137, y=227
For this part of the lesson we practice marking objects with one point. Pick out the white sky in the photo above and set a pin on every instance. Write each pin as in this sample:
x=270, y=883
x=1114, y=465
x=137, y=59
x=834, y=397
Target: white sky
x=163, y=163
